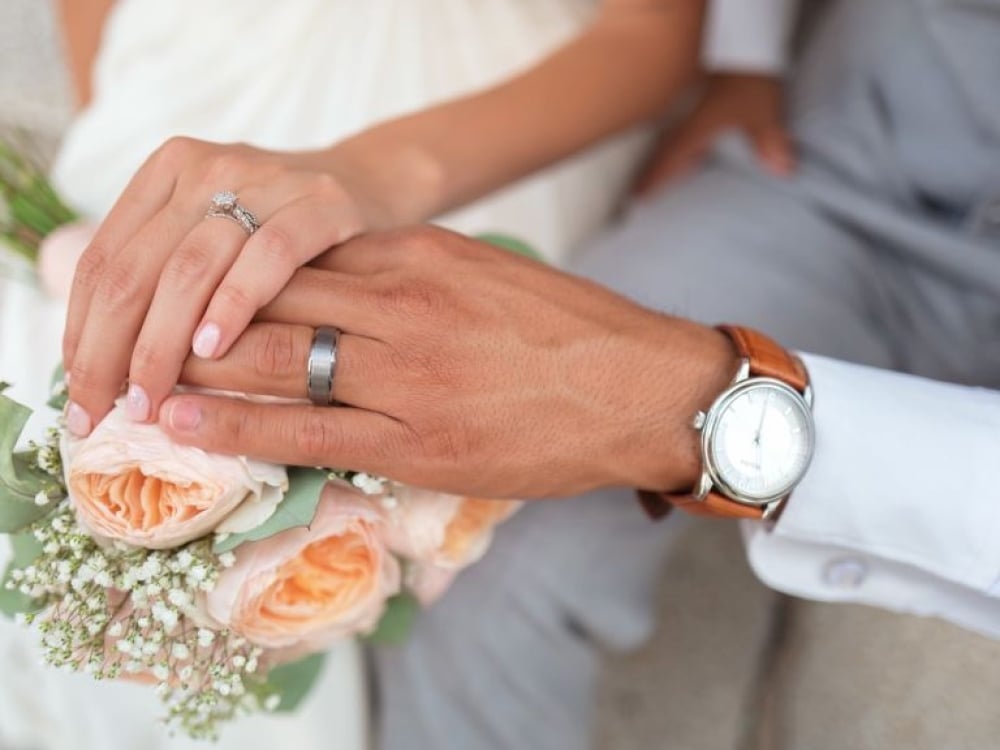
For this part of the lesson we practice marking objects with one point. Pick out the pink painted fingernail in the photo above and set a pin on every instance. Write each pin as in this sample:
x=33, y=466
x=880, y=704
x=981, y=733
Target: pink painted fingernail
x=137, y=403
x=206, y=341
x=184, y=416
x=77, y=420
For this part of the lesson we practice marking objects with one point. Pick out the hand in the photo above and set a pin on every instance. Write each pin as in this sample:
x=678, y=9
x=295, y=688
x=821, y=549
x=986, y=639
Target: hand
x=160, y=278
x=465, y=369
x=752, y=104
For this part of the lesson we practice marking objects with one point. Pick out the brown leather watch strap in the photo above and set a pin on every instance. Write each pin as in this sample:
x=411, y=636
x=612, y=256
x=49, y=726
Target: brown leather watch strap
x=767, y=359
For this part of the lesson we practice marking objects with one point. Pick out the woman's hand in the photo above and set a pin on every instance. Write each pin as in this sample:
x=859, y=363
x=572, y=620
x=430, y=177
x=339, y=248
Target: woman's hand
x=466, y=369
x=748, y=103
x=160, y=279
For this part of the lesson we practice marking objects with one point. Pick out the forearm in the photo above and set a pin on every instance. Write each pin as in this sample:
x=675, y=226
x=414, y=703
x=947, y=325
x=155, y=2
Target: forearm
x=624, y=69
x=82, y=23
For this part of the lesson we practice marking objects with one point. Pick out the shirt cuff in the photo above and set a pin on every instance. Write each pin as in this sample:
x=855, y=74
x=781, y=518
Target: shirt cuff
x=901, y=506
x=748, y=35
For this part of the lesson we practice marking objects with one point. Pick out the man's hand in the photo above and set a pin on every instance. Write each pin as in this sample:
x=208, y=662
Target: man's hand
x=749, y=103
x=467, y=369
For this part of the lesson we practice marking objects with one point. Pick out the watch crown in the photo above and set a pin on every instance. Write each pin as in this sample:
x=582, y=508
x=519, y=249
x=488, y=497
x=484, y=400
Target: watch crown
x=699, y=420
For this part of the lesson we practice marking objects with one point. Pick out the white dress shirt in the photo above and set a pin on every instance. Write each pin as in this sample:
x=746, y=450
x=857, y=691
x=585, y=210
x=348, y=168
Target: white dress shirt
x=748, y=35
x=901, y=505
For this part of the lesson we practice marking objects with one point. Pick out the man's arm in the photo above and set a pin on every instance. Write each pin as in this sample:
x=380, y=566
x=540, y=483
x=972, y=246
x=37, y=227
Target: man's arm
x=82, y=24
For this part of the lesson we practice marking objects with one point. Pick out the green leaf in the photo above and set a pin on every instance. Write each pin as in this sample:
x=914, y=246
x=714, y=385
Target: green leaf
x=397, y=621
x=26, y=550
x=57, y=387
x=293, y=682
x=510, y=243
x=297, y=509
x=19, y=480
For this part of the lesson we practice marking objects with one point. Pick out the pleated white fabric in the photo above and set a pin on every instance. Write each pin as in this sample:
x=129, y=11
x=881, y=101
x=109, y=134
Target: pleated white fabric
x=306, y=73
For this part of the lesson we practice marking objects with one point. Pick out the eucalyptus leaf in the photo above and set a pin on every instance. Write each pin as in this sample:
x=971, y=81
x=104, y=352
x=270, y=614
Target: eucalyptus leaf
x=293, y=682
x=396, y=622
x=26, y=550
x=297, y=509
x=19, y=480
x=510, y=243
x=57, y=387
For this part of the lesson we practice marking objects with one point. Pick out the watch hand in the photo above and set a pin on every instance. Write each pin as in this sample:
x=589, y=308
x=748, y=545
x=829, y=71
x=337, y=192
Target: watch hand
x=760, y=430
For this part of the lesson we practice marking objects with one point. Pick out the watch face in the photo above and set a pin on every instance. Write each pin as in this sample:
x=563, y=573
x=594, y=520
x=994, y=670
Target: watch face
x=760, y=440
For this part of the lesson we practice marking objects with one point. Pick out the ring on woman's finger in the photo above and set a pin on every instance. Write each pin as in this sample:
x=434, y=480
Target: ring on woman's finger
x=225, y=205
x=322, y=365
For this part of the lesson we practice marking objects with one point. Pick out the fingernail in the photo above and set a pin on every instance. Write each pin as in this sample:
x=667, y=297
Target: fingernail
x=66, y=378
x=137, y=403
x=184, y=416
x=77, y=420
x=206, y=340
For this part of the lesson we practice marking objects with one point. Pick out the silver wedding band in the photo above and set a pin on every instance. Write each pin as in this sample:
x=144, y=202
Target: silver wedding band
x=323, y=365
x=226, y=206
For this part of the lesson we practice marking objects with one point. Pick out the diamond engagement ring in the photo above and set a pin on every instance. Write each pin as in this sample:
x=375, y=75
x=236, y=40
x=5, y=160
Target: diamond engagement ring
x=226, y=206
x=322, y=365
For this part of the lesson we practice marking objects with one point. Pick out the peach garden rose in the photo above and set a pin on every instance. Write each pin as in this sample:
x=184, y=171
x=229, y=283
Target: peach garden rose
x=130, y=483
x=305, y=588
x=440, y=534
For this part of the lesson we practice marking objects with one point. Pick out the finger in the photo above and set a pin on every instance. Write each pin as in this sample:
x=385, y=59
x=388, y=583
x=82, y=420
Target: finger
x=366, y=254
x=118, y=303
x=775, y=150
x=186, y=283
x=272, y=359
x=292, y=237
x=146, y=194
x=294, y=434
x=314, y=297
x=678, y=155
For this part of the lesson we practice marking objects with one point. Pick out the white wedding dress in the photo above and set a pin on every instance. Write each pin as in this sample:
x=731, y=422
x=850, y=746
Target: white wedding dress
x=294, y=75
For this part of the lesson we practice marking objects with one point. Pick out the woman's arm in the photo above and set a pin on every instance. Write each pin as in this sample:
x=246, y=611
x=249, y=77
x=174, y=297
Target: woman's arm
x=158, y=281
x=625, y=68
x=82, y=22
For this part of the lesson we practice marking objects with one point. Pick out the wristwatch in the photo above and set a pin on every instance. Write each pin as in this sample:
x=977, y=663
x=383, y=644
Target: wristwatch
x=756, y=438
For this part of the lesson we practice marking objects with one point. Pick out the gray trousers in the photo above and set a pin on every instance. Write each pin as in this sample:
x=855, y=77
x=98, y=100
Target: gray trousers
x=885, y=250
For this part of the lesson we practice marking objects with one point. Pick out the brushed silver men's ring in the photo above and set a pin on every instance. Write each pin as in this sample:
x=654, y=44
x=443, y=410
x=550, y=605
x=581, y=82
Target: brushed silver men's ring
x=323, y=365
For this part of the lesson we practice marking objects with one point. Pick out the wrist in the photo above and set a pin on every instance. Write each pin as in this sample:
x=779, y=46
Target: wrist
x=393, y=184
x=682, y=371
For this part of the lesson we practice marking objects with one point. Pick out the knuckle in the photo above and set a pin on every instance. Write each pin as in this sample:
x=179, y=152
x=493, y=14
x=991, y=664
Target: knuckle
x=175, y=153
x=416, y=298
x=147, y=359
x=314, y=439
x=276, y=247
x=91, y=265
x=224, y=167
x=188, y=265
x=234, y=299
x=276, y=353
x=239, y=425
x=327, y=186
x=83, y=378
x=119, y=284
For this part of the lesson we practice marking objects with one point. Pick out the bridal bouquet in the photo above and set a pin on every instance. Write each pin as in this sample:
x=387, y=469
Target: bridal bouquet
x=219, y=580
x=212, y=577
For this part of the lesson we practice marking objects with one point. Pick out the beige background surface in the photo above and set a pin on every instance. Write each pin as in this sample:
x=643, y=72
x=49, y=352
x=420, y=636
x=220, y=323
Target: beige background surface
x=733, y=666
